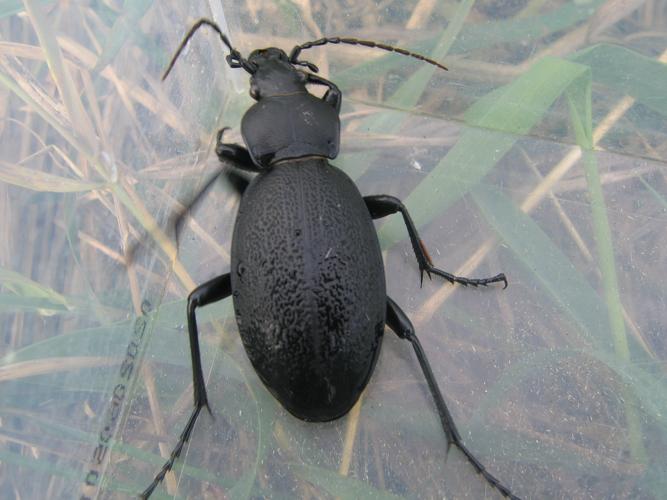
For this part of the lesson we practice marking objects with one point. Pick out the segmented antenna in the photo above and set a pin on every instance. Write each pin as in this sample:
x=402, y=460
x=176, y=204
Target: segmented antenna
x=354, y=41
x=234, y=59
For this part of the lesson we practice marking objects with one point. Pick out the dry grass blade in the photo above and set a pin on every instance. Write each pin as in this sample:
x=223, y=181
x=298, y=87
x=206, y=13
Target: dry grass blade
x=21, y=81
x=42, y=181
x=156, y=103
x=63, y=79
x=48, y=366
x=609, y=14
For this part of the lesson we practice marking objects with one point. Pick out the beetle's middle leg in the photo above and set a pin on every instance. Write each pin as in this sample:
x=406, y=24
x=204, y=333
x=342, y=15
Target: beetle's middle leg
x=382, y=205
x=399, y=322
x=212, y=291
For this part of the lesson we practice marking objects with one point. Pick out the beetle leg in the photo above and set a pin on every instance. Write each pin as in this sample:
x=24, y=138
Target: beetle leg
x=333, y=95
x=382, y=205
x=400, y=324
x=234, y=153
x=212, y=291
x=177, y=220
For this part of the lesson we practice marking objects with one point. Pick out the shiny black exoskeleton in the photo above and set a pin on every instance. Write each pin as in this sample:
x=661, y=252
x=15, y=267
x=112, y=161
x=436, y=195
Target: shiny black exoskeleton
x=307, y=277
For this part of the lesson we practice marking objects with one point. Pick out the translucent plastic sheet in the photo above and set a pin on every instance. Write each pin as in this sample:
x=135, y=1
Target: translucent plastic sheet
x=540, y=154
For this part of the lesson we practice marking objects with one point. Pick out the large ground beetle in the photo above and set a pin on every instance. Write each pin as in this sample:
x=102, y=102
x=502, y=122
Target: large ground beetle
x=307, y=276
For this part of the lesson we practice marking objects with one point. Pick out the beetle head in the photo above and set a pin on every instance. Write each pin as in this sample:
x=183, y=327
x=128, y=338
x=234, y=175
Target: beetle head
x=273, y=74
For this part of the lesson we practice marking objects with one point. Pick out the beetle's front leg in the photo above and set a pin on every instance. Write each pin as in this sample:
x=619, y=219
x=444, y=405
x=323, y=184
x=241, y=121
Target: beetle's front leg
x=333, y=95
x=382, y=205
x=236, y=154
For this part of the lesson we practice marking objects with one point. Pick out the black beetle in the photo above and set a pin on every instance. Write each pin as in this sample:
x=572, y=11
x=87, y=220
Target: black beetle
x=307, y=276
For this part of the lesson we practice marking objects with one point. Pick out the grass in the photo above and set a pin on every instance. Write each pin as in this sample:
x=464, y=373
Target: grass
x=541, y=154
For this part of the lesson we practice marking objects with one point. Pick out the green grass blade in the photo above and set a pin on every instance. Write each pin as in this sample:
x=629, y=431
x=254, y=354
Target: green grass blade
x=517, y=29
x=122, y=31
x=629, y=72
x=25, y=287
x=507, y=113
x=411, y=91
x=14, y=303
x=478, y=36
x=407, y=95
x=579, y=101
x=661, y=199
x=533, y=248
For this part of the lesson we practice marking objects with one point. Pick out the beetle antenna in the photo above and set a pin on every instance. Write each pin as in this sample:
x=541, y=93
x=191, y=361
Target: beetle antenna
x=234, y=59
x=355, y=41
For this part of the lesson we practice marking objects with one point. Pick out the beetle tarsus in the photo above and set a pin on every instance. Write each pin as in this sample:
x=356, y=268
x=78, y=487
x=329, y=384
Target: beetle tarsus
x=176, y=452
x=469, y=281
x=212, y=291
x=382, y=205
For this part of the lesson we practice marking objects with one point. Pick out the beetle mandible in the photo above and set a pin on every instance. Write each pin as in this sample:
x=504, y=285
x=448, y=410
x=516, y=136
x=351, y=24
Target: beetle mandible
x=307, y=276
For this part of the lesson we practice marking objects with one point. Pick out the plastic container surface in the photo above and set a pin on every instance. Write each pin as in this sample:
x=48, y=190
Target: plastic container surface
x=541, y=154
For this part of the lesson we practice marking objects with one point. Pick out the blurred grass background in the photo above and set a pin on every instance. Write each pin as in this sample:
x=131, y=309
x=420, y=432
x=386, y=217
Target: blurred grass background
x=541, y=153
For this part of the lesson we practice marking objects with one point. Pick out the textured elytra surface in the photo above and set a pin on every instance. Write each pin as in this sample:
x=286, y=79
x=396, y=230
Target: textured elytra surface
x=308, y=287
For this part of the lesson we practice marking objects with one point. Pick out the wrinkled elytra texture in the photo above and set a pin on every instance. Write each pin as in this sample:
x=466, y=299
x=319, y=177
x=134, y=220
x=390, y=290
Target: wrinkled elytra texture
x=308, y=287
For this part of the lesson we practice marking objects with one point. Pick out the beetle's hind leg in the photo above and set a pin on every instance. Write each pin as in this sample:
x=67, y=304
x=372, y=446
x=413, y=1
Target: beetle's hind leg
x=212, y=291
x=382, y=205
x=398, y=321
